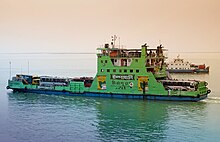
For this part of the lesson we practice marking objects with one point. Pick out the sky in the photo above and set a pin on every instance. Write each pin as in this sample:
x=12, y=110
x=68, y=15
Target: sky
x=84, y=25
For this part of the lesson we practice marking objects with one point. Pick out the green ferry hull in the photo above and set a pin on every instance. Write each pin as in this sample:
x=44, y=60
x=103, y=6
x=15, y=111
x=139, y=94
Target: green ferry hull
x=119, y=96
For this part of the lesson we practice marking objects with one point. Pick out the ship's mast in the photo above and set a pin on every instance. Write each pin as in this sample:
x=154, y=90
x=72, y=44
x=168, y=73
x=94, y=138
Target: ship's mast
x=113, y=41
x=28, y=67
x=119, y=42
x=10, y=69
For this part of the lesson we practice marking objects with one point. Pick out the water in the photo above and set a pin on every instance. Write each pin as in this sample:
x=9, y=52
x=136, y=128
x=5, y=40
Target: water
x=40, y=118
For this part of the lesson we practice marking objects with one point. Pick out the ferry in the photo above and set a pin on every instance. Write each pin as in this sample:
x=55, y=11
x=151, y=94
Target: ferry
x=121, y=73
x=179, y=65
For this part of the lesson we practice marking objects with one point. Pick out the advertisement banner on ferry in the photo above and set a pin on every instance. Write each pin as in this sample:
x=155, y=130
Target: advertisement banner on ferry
x=122, y=77
x=141, y=80
x=101, y=82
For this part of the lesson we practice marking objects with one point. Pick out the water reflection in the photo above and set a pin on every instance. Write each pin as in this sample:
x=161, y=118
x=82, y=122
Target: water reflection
x=35, y=117
x=132, y=120
x=101, y=119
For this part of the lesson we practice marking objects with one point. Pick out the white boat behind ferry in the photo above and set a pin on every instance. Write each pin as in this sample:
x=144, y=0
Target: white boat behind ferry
x=178, y=65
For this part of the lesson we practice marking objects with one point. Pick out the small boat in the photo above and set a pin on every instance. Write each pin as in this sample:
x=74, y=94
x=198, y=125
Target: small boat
x=178, y=65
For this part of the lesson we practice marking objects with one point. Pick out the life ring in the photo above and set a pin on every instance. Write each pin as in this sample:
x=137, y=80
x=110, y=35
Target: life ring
x=209, y=91
x=131, y=84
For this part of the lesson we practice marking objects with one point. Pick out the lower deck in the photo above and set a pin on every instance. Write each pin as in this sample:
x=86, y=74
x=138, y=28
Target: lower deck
x=111, y=95
x=187, y=70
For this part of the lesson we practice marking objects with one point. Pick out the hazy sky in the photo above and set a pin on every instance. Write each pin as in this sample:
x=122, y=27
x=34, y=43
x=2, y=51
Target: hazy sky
x=83, y=25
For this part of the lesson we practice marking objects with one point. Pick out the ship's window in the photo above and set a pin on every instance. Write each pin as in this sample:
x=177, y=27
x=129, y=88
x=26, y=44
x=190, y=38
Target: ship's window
x=102, y=70
x=125, y=70
x=120, y=70
x=131, y=71
x=114, y=70
x=101, y=61
x=171, y=64
x=108, y=70
x=106, y=61
x=137, y=71
x=115, y=60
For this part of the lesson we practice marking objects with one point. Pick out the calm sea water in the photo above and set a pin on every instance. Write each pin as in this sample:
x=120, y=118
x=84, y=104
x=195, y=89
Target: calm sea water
x=40, y=118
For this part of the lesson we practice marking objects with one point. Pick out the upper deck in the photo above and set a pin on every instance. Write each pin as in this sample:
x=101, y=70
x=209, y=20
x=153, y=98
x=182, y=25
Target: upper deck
x=146, y=58
x=132, y=53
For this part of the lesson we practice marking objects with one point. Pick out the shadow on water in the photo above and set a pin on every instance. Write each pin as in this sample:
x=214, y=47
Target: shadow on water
x=101, y=119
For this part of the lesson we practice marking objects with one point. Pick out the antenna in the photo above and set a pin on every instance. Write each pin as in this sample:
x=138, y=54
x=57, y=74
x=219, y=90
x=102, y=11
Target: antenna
x=119, y=41
x=160, y=43
x=115, y=37
x=10, y=69
x=28, y=67
x=113, y=41
x=21, y=69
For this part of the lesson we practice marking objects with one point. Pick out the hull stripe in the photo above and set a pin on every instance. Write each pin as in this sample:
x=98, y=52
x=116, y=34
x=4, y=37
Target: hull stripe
x=122, y=96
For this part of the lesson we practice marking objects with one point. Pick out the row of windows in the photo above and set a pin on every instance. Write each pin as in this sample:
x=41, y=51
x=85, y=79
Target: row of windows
x=179, y=68
x=129, y=60
x=104, y=61
x=120, y=70
x=177, y=64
